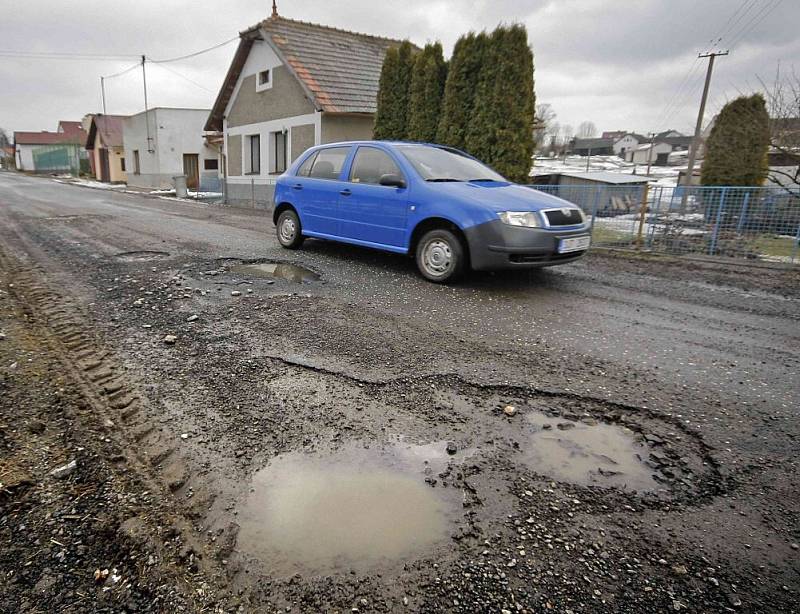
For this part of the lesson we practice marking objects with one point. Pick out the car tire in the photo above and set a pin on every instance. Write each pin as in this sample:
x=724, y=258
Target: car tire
x=440, y=256
x=289, y=230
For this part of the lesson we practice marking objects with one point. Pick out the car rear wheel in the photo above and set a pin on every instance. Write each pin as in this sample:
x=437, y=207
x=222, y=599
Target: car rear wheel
x=440, y=256
x=288, y=228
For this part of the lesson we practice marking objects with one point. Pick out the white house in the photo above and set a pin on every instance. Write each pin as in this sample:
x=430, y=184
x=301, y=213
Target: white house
x=162, y=143
x=655, y=153
x=628, y=142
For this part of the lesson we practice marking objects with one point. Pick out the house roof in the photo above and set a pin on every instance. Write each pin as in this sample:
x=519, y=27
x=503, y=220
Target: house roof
x=109, y=127
x=596, y=143
x=339, y=70
x=72, y=132
x=677, y=141
x=38, y=138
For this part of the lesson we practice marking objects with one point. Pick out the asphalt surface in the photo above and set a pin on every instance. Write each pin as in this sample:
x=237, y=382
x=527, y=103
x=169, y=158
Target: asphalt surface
x=697, y=361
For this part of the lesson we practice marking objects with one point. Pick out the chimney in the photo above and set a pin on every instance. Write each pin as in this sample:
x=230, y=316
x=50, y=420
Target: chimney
x=274, y=9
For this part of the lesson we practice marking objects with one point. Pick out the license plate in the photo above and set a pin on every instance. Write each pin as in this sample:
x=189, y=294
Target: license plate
x=574, y=244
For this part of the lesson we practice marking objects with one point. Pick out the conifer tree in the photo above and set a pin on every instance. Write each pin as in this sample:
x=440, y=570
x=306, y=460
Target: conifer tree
x=500, y=130
x=393, y=90
x=736, y=150
x=425, y=96
x=459, y=89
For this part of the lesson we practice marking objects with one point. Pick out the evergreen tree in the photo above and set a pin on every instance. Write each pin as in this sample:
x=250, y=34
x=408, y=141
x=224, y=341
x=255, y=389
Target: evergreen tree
x=500, y=130
x=459, y=89
x=425, y=96
x=393, y=90
x=736, y=150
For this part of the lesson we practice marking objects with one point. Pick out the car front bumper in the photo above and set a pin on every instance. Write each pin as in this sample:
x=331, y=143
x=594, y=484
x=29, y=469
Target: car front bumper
x=495, y=245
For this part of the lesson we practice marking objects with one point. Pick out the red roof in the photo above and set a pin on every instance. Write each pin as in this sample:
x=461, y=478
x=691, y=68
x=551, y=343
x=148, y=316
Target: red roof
x=109, y=127
x=68, y=132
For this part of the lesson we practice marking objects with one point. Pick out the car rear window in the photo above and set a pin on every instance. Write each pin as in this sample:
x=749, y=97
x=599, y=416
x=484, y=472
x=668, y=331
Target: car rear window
x=329, y=163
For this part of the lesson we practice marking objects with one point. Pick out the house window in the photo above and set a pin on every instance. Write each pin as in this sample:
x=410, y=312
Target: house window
x=264, y=80
x=253, y=155
x=210, y=164
x=278, y=147
x=122, y=164
x=136, y=168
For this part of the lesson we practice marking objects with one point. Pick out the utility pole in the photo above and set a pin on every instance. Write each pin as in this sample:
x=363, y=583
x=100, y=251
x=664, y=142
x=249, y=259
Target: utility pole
x=103, y=93
x=650, y=152
x=699, y=126
x=146, y=115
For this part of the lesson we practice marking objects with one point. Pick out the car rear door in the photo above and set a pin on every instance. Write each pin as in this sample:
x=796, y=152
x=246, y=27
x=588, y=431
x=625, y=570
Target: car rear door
x=317, y=188
x=369, y=211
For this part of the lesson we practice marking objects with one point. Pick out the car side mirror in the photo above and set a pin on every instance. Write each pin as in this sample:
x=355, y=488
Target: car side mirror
x=392, y=180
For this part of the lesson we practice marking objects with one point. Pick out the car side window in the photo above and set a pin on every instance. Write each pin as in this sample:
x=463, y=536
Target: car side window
x=329, y=163
x=370, y=164
x=305, y=167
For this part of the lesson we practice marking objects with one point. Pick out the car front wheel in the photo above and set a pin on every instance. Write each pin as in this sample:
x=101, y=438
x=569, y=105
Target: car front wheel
x=440, y=256
x=288, y=228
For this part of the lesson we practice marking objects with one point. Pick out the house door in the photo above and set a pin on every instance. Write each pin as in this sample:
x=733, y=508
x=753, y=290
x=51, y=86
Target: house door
x=105, y=173
x=191, y=168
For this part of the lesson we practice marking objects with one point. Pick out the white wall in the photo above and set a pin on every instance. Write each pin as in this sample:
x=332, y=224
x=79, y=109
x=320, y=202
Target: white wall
x=174, y=132
x=627, y=143
x=640, y=156
x=25, y=157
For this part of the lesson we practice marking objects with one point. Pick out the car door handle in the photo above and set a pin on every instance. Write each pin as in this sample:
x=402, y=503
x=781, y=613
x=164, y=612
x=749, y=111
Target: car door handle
x=345, y=192
x=298, y=186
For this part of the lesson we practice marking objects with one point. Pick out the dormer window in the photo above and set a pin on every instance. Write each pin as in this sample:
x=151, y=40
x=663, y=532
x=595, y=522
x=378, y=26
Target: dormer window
x=264, y=80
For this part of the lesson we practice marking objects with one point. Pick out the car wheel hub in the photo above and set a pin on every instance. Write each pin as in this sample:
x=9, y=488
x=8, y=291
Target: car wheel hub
x=437, y=257
x=287, y=230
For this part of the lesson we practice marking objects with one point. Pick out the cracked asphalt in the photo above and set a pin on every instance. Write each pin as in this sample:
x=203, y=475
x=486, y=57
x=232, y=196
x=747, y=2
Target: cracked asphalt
x=691, y=364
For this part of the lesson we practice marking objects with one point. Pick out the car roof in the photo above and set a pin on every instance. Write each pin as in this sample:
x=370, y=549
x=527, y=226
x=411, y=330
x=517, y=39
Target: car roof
x=375, y=142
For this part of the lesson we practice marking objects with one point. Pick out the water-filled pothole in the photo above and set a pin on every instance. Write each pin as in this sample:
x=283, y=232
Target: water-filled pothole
x=141, y=256
x=276, y=270
x=356, y=509
x=591, y=453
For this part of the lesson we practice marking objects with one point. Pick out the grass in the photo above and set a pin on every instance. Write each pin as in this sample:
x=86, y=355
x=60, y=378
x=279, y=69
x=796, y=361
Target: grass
x=771, y=245
x=602, y=235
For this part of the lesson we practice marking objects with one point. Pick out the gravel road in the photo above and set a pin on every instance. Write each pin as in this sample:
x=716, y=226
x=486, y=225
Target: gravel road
x=322, y=430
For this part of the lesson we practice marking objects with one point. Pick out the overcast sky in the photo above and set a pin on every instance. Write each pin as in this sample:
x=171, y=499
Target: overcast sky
x=619, y=64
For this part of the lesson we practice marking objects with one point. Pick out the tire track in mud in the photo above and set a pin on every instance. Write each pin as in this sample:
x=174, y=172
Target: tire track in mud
x=116, y=407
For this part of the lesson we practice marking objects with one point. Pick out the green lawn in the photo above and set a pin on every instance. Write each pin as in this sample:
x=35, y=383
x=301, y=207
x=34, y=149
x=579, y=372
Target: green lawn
x=771, y=245
x=602, y=235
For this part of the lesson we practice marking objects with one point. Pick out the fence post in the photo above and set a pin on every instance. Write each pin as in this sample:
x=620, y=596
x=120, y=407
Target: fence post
x=796, y=244
x=642, y=212
x=594, y=208
x=715, y=233
x=743, y=214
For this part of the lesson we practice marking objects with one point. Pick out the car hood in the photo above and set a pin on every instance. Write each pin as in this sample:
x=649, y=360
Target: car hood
x=500, y=196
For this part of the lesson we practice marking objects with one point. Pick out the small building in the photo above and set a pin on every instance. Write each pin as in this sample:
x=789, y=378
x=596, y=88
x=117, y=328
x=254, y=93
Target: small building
x=627, y=142
x=162, y=143
x=592, y=147
x=601, y=192
x=105, y=145
x=292, y=85
x=656, y=153
x=61, y=151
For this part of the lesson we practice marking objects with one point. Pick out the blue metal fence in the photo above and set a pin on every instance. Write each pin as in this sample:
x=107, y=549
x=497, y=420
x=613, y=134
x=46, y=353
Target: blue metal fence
x=742, y=222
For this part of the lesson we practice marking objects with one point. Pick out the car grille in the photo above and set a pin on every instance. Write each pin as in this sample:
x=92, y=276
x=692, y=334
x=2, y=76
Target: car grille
x=563, y=217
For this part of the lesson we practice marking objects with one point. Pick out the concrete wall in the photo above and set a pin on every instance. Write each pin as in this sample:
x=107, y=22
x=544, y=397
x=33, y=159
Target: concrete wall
x=302, y=137
x=235, y=155
x=250, y=195
x=337, y=128
x=173, y=132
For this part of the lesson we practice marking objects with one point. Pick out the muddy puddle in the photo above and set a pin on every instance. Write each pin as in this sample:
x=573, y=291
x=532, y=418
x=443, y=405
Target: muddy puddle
x=358, y=509
x=276, y=270
x=588, y=453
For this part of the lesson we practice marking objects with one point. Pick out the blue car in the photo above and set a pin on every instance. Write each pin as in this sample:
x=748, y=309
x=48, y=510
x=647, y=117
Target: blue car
x=435, y=203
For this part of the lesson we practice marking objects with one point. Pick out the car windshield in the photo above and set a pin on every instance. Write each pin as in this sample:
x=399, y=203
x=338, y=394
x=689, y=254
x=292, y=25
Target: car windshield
x=443, y=164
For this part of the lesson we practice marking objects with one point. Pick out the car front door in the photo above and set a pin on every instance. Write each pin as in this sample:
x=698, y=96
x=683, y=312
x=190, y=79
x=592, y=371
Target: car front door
x=369, y=211
x=317, y=186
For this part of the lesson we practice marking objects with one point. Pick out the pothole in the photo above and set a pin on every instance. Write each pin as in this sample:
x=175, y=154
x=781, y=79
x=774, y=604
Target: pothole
x=276, y=270
x=592, y=453
x=355, y=509
x=141, y=256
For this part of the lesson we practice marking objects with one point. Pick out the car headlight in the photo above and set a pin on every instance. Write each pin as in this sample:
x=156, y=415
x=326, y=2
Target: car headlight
x=528, y=219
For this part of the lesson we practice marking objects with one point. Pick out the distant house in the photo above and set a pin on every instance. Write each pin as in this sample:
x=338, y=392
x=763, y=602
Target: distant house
x=104, y=144
x=52, y=152
x=592, y=147
x=162, y=143
x=656, y=153
x=613, y=134
x=627, y=142
x=602, y=192
x=292, y=85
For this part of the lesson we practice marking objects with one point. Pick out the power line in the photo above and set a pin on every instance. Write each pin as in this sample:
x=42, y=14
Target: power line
x=196, y=53
x=55, y=55
x=184, y=77
x=755, y=21
x=122, y=72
